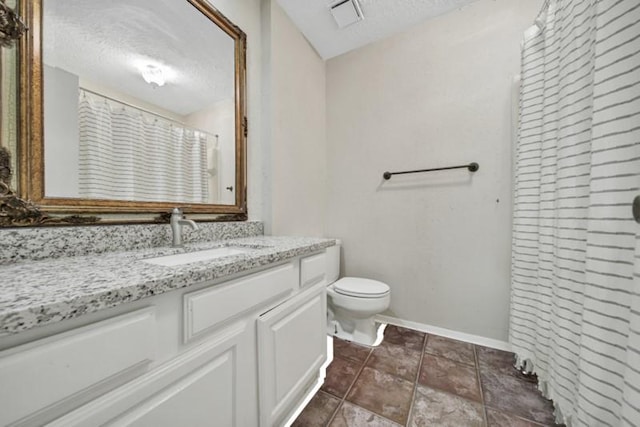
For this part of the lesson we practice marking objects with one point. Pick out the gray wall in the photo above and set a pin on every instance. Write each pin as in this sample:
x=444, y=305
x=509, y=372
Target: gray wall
x=297, y=132
x=436, y=95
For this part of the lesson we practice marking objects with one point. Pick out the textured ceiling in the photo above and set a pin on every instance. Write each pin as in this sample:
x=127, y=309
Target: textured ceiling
x=381, y=19
x=107, y=41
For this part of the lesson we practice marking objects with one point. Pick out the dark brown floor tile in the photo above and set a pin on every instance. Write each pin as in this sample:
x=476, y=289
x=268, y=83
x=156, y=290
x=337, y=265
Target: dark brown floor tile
x=396, y=360
x=516, y=397
x=354, y=416
x=349, y=350
x=501, y=362
x=494, y=358
x=340, y=375
x=453, y=377
x=457, y=351
x=318, y=411
x=382, y=393
x=404, y=337
x=435, y=408
x=500, y=419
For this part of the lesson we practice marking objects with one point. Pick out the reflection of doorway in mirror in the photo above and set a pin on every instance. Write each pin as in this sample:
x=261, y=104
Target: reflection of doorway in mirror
x=213, y=168
x=220, y=120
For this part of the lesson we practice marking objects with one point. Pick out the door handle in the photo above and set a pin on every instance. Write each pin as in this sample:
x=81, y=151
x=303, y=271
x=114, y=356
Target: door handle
x=230, y=188
x=636, y=209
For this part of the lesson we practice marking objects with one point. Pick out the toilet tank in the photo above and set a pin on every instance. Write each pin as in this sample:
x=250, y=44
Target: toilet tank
x=333, y=262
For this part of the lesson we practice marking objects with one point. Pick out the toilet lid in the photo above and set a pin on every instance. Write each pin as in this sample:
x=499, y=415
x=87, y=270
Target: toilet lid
x=358, y=287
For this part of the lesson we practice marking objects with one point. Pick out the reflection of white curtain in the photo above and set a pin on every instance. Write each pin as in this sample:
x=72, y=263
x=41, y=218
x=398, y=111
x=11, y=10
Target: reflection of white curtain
x=126, y=154
x=575, y=308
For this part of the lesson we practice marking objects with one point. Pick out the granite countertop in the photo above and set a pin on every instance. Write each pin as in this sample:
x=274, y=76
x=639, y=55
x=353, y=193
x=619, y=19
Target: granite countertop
x=43, y=292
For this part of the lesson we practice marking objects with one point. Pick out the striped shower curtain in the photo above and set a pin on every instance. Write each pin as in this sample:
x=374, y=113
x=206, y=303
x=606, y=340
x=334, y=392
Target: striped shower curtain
x=126, y=154
x=575, y=302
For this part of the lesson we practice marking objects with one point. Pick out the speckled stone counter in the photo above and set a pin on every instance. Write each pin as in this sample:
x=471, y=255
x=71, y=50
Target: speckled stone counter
x=39, y=243
x=42, y=292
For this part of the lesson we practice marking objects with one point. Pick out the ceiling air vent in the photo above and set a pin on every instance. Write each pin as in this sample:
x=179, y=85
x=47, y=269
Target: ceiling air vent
x=346, y=12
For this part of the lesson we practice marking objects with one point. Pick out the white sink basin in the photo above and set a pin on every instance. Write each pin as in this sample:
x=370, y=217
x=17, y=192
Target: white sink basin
x=209, y=254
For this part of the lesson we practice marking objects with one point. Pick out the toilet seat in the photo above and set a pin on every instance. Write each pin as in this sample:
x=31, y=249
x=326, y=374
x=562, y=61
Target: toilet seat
x=361, y=288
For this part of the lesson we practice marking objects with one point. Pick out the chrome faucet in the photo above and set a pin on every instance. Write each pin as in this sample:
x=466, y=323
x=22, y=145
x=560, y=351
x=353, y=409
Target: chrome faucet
x=177, y=221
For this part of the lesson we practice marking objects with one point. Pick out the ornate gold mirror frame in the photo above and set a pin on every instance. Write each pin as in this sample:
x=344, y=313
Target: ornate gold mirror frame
x=32, y=207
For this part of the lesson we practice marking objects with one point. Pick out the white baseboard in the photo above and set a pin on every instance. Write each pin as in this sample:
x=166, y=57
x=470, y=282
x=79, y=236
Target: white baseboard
x=448, y=333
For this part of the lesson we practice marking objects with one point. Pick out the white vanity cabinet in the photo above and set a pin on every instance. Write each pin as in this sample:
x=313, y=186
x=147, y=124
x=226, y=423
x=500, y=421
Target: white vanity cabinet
x=240, y=352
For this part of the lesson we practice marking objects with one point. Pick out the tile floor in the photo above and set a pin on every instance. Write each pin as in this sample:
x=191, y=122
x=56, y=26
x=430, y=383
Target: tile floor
x=414, y=379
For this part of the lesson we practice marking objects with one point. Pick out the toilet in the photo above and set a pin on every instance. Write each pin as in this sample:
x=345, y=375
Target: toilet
x=353, y=303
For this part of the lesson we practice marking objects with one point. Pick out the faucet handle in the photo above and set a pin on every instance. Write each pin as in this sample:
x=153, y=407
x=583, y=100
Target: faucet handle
x=176, y=211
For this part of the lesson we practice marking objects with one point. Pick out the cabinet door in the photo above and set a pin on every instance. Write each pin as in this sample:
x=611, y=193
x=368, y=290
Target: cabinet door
x=292, y=347
x=212, y=385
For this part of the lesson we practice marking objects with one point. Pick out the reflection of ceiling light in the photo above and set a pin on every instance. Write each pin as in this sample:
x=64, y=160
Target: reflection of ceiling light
x=153, y=75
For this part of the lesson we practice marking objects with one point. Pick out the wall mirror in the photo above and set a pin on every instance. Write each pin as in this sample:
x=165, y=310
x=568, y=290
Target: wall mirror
x=131, y=107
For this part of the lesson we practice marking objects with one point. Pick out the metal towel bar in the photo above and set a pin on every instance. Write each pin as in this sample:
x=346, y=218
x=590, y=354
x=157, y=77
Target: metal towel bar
x=471, y=166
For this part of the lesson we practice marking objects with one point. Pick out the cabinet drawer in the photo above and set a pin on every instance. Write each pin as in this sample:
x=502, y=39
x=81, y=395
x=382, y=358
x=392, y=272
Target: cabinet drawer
x=38, y=380
x=209, y=307
x=313, y=269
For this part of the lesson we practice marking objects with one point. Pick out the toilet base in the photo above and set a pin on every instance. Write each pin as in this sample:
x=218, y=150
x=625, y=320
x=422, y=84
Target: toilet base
x=359, y=331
